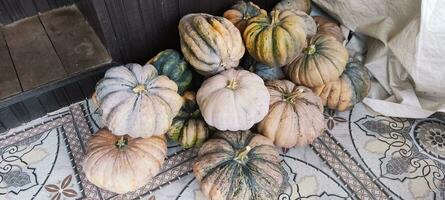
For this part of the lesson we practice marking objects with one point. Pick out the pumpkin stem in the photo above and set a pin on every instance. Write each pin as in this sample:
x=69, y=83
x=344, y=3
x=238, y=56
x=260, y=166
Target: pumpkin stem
x=311, y=49
x=122, y=142
x=232, y=84
x=241, y=156
x=290, y=97
x=275, y=17
x=140, y=88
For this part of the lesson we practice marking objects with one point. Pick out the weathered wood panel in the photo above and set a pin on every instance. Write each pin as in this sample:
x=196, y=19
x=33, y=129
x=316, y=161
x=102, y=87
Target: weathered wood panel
x=9, y=83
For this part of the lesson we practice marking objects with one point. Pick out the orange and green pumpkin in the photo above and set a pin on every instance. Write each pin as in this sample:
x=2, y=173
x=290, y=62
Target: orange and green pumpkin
x=352, y=86
x=171, y=64
x=267, y=73
x=241, y=12
x=326, y=26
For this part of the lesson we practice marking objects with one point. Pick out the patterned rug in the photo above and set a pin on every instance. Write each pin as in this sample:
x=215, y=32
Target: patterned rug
x=362, y=155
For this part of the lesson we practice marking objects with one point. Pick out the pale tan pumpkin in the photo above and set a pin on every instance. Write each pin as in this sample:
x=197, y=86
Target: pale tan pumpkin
x=295, y=115
x=210, y=43
x=326, y=26
x=122, y=164
x=233, y=100
x=323, y=61
x=294, y=5
x=241, y=12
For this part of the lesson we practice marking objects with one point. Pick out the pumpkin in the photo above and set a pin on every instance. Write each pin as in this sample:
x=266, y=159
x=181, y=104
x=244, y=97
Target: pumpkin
x=233, y=100
x=171, y=64
x=323, y=61
x=326, y=26
x=294, y=5
x=241, y=12
x=122, y=164
x=275, y=40
x=295, y=115
x=209, y=43
x=189, y=128
x=239, y=165
x=265, y=72
x=351, y=88
x=134, y=100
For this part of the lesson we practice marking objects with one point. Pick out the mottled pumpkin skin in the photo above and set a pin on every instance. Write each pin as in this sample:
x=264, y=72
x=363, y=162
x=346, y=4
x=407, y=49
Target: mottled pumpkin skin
x=171, y=64
x=342, y=94
x=134, y=100
x=241, y=12
x=239, y=166
x=210, y=43
x=265, y=72
x=125, y=166
x=295, y=115
x=275, y=40
x=323, y=61
x=233, y=100
x=326, y=26
x=189, y=128
x=294, y=5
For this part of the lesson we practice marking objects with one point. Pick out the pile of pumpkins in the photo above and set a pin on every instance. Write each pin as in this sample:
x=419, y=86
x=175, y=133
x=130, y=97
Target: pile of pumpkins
x=250, y=102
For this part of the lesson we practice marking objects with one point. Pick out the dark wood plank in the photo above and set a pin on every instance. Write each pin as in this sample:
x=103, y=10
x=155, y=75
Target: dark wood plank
x=34, y=107
x=9, y=83
x=74, y=92
x=19, y=9
x=75, y=41
x=21, y=112
x=33, y=55
x=4, y=14
x=49, y=102
x=8, y=119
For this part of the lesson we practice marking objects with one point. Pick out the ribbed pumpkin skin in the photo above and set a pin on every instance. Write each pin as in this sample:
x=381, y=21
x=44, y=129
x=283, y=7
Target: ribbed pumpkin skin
x=223, y=175
x=294, y=5
x=126, y=169
x=171, y=64
x=295, y=115
x=210, y=43
x=134, y=100
x=241, y=12
x=233, y=100
x=351, y=88
x=265, y=72
x=323, y=61
x=189, y=128
x=275, y=40
x=329, y=27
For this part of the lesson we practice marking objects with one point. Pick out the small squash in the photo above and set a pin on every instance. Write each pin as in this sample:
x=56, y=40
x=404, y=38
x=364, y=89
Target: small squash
x=241, y=12
x=294, y=5
x=265, y=72
x=171, y=64
x=326, y=26
x=134, y=100
x=351, y=88
x=122, y=164
x=189, y=128
x=276, y=40
x=295, y=117
x=210, y=43
x=239, y=165
x=233, y=100
x=323, y=61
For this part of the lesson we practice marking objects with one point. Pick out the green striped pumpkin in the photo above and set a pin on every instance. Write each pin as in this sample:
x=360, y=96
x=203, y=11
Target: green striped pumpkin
x=275, y=40
x=267, y=73
x=352, y=87
x=189, y=128
x=171, y=64
x=239, y=165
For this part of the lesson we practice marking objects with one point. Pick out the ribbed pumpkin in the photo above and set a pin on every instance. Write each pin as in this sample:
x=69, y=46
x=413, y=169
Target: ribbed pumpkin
x=209, y=43
x=275, y=40
x=294, y=5
x=323, y=61
x=326, y=26
x=241, y=12
x=351, y=88
x=134, y=100
x=171, y=64
x=265, y=72
x=239, y=165
x=295, y=115
x=233, y=100
x=122, y=164
x=189, y=128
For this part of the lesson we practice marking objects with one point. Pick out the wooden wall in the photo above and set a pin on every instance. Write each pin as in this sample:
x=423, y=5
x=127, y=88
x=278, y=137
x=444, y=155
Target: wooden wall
x=135, y=30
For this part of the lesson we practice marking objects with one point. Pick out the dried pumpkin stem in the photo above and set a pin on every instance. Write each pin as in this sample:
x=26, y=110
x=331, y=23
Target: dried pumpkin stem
x=122, y=142
x=232, y=84
x=290, y=97
x=311, y=49
x=140, y=88
x=275, y=17
x=241, y=156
